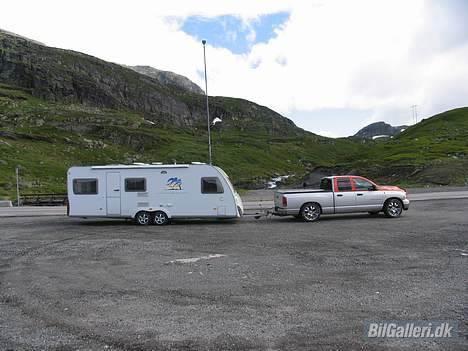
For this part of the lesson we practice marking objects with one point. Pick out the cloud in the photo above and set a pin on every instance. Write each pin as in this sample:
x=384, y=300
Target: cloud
x=233, y=32
x=332, y=65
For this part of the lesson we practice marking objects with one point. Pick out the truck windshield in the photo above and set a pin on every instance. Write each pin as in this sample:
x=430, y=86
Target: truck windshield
x=326, y=184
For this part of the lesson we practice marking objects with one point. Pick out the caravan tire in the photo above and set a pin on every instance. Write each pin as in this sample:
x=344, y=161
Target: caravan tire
x=143, y=218
x=160, y=218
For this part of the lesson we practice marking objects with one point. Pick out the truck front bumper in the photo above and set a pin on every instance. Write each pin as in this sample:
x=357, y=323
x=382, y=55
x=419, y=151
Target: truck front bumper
x=406, y=203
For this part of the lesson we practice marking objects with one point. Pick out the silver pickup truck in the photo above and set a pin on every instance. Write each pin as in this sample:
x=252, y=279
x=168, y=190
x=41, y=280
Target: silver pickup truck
x=341, y=194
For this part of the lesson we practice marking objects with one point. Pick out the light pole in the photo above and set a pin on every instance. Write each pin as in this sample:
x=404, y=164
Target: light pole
x=207, y=105
x=18, y=200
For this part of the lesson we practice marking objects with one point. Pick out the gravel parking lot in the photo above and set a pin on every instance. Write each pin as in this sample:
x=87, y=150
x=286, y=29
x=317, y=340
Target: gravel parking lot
x=268, y=284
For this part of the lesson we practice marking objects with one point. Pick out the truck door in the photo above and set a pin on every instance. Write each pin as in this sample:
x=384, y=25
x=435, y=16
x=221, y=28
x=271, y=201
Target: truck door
x=113, y=193
x=368, y=198
x=345, y=198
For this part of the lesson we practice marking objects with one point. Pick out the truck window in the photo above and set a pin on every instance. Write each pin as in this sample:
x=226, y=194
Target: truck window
x=344, y=184
x=362, y=184
x=211, y=185
x=135, y=184
x=85, y=186
x=326, y=184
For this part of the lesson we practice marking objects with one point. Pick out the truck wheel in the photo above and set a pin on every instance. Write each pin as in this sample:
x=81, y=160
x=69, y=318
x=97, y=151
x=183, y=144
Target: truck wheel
x=310, y=212
x=143, y=218
x=160, y=218
x=393, y=208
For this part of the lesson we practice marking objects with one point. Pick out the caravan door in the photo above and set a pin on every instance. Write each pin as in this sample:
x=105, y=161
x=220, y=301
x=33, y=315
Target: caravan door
x=113, y=193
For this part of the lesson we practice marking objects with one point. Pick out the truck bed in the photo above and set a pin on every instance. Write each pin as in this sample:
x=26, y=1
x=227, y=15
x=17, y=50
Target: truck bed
x=299, y=191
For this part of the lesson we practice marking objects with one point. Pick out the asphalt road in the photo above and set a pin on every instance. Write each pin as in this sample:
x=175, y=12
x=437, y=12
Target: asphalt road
x=268, y=284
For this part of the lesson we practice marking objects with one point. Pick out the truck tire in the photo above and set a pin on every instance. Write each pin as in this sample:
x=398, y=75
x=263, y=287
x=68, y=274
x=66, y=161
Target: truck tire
x=160, y=218
x=310, y=211
x=393, y=208
x=143, y=218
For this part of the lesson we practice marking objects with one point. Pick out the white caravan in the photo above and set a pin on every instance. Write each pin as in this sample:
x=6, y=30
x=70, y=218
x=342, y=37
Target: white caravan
x=152, y=193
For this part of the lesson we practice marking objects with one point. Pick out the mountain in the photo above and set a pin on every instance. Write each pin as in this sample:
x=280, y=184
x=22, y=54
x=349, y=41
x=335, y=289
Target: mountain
x=74, y=78
x=378, y=130
x=168, y=78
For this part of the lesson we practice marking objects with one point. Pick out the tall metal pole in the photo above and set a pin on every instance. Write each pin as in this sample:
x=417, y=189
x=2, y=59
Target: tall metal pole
x=17, y=188
x=207, y=104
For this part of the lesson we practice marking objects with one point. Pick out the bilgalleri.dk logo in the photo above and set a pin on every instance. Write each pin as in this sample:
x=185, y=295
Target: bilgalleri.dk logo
x=411, y=329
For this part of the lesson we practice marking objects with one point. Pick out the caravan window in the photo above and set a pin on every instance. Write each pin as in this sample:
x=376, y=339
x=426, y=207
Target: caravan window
x=85, y=186
x=211, y=185
x=135, y=184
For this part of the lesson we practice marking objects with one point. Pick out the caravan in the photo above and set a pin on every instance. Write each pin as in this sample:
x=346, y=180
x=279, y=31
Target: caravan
x=152, y=193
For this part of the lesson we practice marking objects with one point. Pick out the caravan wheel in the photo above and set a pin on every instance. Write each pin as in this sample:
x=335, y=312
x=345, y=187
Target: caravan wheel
x=160, y=218
x=143, y=218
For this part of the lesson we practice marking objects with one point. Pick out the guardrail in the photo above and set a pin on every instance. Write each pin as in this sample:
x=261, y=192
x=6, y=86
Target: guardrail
x=43, y=200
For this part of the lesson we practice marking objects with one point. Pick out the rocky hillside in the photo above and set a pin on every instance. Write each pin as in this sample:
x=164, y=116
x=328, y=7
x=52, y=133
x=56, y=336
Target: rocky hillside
x=74, y=78
x=168, y=78
x=379, y=130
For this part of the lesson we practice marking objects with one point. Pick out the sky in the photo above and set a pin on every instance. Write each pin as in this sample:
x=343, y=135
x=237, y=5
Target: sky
x=331, y=66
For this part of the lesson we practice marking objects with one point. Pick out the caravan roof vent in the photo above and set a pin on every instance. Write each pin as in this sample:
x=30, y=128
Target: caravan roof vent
x=198, y=163
x=156, y=163
x=139, y=163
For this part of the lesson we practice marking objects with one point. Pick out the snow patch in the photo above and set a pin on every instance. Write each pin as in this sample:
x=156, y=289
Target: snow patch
x=380, y=136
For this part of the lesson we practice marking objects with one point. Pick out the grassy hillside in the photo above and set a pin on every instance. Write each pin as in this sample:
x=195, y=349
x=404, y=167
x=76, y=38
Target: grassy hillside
x=46, y=138
x=434, y=151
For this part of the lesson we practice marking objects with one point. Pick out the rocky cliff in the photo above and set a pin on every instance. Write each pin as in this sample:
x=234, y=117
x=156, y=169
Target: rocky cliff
x=71, y=77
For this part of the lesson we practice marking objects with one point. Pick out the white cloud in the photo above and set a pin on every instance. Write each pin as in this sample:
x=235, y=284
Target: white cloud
x=364, y=60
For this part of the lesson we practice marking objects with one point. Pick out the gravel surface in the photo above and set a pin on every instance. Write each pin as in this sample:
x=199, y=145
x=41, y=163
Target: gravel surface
x=268, y=284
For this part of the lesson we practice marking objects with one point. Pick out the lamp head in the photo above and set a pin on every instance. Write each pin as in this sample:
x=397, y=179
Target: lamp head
x=203, y=41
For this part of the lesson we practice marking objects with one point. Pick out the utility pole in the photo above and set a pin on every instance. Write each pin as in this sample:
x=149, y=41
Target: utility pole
x=415, y=113
x=18, y=200
x=207, y=104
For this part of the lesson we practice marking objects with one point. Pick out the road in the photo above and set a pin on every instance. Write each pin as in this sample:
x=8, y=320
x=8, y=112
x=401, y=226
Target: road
x=268, y=284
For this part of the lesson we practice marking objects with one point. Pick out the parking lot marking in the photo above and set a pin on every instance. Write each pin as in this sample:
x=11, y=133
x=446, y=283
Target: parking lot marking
x=194, y=259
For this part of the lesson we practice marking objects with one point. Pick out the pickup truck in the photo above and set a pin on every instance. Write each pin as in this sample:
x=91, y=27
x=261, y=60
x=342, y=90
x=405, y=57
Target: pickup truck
x=341, y=194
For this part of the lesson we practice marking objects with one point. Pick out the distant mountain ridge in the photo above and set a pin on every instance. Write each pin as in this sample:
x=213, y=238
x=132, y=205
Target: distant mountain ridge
x=379, y=129
x=169, y=78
